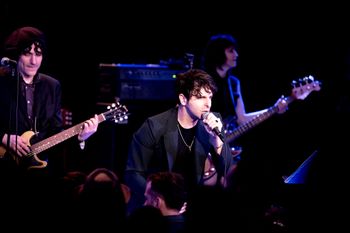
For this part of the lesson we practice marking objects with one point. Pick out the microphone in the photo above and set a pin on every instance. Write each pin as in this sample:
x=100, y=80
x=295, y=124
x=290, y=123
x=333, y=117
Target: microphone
x=216, y=129
x=5, y=61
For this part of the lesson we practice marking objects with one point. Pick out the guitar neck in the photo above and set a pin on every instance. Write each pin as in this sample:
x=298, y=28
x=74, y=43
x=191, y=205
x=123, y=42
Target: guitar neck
x=237, y=132
x=60, y=137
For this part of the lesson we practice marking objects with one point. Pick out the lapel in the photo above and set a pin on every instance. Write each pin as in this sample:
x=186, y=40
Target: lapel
x=171, y=138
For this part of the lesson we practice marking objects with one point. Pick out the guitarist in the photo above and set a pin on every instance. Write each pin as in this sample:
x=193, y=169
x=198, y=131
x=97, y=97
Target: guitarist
x=30, y=101
x=220, y=57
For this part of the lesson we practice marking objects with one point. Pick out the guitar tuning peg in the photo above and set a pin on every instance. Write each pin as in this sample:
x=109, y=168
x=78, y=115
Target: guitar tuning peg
x=116, y=99
x=112, y=106
x=309, y=79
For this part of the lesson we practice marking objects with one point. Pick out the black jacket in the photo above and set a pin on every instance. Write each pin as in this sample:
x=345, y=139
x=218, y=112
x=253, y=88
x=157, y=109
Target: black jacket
x=154, y=148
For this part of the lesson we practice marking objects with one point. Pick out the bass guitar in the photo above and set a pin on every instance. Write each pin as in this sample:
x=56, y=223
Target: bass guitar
x=301, y=89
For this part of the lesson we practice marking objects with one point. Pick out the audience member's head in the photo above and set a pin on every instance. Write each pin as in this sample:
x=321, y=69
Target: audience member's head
x=102, y=198
x=166, y=191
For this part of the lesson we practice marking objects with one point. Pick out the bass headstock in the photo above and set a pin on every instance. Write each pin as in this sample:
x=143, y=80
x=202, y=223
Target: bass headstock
x=303, y=87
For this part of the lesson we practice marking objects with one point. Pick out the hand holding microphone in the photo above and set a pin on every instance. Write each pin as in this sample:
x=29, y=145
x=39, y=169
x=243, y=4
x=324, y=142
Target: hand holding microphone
x=213, y=123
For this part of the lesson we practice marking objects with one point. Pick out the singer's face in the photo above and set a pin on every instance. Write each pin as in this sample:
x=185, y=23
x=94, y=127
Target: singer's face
x=199, y=104
x=30, y=61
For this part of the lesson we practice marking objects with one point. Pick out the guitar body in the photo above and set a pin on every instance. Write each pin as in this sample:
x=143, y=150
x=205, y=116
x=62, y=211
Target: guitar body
x=29, y=161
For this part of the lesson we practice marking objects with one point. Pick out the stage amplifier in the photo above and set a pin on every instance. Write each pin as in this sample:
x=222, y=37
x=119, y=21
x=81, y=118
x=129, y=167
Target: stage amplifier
x=136, y=82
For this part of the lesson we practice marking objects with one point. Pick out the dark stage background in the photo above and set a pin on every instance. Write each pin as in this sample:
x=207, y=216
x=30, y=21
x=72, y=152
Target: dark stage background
x=277, y=44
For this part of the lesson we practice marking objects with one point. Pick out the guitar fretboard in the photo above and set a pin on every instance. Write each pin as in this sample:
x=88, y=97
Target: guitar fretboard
x=60, y=137
x=237, y=132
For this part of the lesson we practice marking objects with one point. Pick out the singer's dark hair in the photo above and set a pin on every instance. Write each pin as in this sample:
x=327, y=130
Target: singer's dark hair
x=21, y=39
x=214, y=54
x=190, y=83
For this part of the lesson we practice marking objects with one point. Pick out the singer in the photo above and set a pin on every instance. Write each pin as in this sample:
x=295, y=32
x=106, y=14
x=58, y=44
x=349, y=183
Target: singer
x=179, y=140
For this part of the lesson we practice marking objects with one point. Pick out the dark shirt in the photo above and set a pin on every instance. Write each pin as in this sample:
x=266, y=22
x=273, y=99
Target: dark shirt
x=176, y=223
x=185, y=160
x=28, y=93
x=225, y=99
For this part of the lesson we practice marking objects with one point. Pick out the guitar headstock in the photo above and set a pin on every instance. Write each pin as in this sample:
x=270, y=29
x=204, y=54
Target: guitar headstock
x=117, y=112
x=303, y=87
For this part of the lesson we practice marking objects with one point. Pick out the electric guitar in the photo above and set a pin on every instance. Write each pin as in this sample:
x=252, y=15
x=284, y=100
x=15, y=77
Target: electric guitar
x=301, y=89
x=116, y=112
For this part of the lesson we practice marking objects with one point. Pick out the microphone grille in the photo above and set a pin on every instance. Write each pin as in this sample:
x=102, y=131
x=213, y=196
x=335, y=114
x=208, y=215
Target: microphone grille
x=205, y=115
x=4, y=61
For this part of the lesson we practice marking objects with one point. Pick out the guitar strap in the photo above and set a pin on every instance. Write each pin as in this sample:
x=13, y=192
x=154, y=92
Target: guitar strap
x=232, y=83
x=232, y=86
